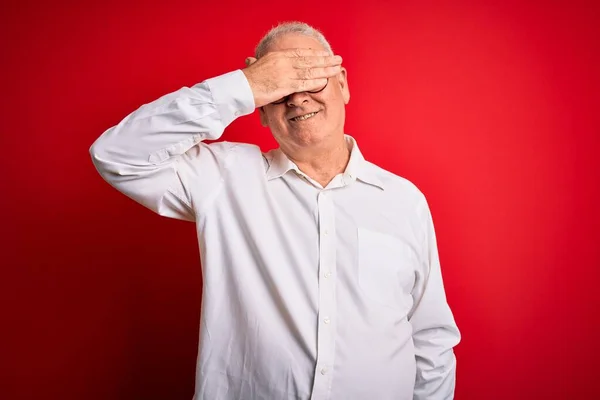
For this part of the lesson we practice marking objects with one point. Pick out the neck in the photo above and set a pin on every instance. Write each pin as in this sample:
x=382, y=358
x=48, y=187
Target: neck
x=323, y=161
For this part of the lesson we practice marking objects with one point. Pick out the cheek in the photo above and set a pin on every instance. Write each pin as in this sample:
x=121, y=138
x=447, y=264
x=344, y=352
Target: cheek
x=274, y=119
x=335, y=108
x=272, y=115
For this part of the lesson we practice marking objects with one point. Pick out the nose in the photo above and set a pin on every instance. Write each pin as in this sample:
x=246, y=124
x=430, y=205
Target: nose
x=297, y=99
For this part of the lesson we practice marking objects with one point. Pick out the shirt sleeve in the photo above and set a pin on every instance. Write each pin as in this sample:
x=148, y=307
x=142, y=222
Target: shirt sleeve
x=435, y=332
x=152, y=155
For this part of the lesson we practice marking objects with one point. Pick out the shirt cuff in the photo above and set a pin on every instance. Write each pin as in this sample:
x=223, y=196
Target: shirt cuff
x=232, y=95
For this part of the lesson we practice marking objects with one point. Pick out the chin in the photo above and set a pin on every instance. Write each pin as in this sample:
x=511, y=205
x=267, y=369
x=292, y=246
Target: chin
x=307, y=136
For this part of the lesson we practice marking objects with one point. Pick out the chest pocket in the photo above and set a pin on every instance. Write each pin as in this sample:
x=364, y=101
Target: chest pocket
x=386, y=269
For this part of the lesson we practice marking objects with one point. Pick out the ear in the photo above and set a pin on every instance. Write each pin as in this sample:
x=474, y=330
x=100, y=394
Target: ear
x=249, y=61
x=263, y=117
x=343, y=81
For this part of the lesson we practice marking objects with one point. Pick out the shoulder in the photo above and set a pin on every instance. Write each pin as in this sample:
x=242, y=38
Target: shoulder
x=225, y=155
x=240, y=155
x=404, y=201
x=226, y=149
x=396, y=186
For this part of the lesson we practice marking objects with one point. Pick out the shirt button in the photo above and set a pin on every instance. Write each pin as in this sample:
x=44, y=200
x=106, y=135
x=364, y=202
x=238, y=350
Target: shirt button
x=327, y=320
x=327, y=274
x=325, y=232
x=323, y=371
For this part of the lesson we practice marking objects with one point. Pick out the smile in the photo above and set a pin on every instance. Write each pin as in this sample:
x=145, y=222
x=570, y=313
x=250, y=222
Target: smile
x=305, y=116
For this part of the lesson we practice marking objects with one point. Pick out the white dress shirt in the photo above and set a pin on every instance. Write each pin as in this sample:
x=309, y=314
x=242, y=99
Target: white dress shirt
x=309, y=292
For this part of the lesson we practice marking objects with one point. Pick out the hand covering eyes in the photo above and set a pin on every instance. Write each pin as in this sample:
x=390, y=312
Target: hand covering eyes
x=283, y=99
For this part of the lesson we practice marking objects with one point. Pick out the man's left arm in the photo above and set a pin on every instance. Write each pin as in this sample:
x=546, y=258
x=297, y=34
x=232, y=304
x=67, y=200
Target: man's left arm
x=435, y=332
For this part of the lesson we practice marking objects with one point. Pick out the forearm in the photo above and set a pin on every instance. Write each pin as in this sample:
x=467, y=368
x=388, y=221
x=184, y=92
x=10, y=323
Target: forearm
x=159, y=131
x=435, y=332
x=140, y=155
x=436, y=363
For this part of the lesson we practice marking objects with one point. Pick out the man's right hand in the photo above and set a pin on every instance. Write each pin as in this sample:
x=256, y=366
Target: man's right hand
x=281, y=73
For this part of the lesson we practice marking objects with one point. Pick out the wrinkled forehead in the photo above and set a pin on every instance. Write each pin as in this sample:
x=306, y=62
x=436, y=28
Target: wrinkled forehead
x=295, y=41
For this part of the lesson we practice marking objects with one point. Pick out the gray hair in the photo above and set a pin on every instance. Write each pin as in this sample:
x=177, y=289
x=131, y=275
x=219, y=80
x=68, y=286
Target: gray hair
x=283, y=28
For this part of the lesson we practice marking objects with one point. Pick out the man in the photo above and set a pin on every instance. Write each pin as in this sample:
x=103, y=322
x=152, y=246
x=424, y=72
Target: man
x=320, y=269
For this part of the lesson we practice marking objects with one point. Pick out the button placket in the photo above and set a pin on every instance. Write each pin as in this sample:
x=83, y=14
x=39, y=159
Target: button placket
x=327, y=305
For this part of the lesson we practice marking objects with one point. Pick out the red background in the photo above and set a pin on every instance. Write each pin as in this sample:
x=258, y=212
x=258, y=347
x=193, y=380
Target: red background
x=492, y=110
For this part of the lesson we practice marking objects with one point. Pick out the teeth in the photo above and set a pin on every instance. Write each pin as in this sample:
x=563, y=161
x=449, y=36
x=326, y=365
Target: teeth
x=304, y=117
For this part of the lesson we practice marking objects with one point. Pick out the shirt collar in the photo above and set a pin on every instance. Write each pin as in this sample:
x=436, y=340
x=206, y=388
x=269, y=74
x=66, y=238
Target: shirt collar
x=357, y=168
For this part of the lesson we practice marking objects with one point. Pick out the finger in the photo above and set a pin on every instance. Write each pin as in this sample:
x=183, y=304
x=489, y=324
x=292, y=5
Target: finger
x=309, y=84
x=306, y=52
x=316, y=61
x=318, y=73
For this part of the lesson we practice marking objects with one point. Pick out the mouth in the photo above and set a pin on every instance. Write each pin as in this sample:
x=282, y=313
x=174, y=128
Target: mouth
x=304, y=117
